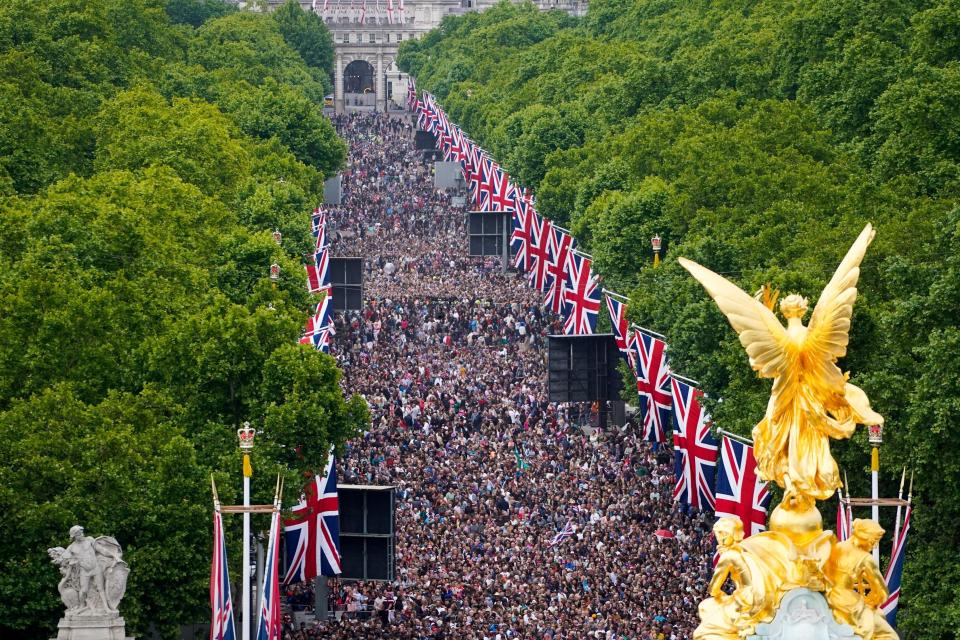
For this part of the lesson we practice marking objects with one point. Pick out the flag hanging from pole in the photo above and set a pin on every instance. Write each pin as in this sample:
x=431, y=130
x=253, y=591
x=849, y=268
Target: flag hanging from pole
x=740, y=492
x=621, y=331
x=313, y=533
x=221, y=603
x=561, y=244
x=895, y=572
x=269, y=627
x=654, y=386
x=843, y=519
x=581, y=293
x=695, y=449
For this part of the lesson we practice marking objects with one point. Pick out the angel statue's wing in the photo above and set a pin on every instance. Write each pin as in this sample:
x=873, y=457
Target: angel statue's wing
x=829, y=329
x=761, y=334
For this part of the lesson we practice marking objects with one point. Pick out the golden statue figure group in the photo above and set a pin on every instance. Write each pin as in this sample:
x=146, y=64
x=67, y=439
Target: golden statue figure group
x=811, y=402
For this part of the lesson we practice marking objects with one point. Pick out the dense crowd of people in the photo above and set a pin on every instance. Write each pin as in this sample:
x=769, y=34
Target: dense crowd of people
x=449, y=353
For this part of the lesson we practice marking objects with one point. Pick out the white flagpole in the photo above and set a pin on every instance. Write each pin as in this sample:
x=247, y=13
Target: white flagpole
x=734, y=436
x=896, y=523
x=615, y=295
x=245, y=611
x=875, y=494
x=685, y=379
x=648, y=331
x=849, y=507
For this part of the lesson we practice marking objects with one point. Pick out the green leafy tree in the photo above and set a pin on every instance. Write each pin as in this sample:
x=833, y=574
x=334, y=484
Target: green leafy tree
x=279, y=110
x=137, y=320
x=122, y=467
x=196, y=12
x=306, y=33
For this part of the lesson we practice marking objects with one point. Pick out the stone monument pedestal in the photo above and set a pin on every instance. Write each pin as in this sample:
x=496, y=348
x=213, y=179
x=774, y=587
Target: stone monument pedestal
x=92, y=627
x=803, y=615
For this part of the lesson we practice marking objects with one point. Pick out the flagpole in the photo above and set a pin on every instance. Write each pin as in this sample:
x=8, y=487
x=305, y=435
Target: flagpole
x=648, y=331
x=846, y=483
x=896, y=523
x=734, y=436
x=246, y=434
x=615, y=295
x=685, y=379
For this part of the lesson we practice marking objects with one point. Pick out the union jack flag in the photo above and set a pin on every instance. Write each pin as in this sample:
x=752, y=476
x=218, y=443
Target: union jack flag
x=472, y=171
x=520, y=240
x=538, y=250
x=419, y=108
x=321, y=235
x=502, y=192
x=318, y=274
x=581, y=293
x=319, y=338
x=411, y=83
x=453, y=152
x=740, y=493
x=390, y=21
x=895, y=572
x=444, y=132
x=485, y=189
x=318, y=219
x=269, y=627
x=844, y=519
x=431, y=119
x=621, y=328
x=563, y=534
x=221, y=604
x=320, y=326
x=561, y=246
x=312, y=535
x=653, y=385
x=695, y=450
x=424, y=117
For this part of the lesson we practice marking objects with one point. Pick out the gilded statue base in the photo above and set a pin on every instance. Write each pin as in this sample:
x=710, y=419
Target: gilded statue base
x=770, y=569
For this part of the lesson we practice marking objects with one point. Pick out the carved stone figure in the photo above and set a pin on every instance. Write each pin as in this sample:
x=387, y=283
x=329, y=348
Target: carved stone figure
x=93, y=581
x=94, y=573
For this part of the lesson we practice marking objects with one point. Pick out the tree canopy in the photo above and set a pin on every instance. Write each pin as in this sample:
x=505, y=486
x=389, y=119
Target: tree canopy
x=148, y=150
x=756, y=138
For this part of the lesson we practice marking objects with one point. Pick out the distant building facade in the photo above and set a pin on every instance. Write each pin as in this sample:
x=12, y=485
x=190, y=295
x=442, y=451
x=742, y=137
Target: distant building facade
x=366, y=36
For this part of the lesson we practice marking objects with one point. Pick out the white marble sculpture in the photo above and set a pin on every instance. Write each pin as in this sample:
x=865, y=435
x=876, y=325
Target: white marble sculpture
x=94, y=579
x=803, y=615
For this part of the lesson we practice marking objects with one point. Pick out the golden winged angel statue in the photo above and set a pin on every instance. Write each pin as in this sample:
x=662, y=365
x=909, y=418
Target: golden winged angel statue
x=811, y=400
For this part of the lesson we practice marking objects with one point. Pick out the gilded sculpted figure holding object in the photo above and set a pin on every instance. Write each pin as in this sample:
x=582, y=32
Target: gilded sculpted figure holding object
x=858, y=588
x=810, y=403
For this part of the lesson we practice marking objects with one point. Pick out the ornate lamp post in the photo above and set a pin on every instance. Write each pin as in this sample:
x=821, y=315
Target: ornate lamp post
x=246, y=434
x=274, y=274
x=656, y=242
